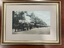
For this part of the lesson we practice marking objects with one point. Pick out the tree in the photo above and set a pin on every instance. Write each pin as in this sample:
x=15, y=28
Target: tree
x=21, y=15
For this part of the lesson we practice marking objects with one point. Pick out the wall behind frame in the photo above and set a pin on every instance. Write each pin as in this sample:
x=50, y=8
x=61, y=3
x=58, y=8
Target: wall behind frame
x=40, y=46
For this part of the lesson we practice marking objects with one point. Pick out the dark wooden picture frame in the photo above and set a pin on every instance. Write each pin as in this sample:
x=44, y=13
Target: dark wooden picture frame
x=24, y=42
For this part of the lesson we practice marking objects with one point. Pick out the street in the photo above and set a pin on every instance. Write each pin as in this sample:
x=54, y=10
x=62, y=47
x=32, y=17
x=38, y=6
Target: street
x=42, y=30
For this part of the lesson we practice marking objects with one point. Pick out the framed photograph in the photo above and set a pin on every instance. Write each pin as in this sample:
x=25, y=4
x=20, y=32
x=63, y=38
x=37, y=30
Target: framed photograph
x=31, y=23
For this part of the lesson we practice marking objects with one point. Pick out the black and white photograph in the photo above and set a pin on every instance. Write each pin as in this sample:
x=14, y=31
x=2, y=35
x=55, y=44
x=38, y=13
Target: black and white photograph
x=31, y=22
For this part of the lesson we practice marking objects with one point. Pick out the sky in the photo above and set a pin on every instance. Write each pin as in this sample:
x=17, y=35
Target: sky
x=43, y=15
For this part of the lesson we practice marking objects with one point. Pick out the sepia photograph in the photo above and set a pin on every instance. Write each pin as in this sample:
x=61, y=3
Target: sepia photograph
x=31, y=22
